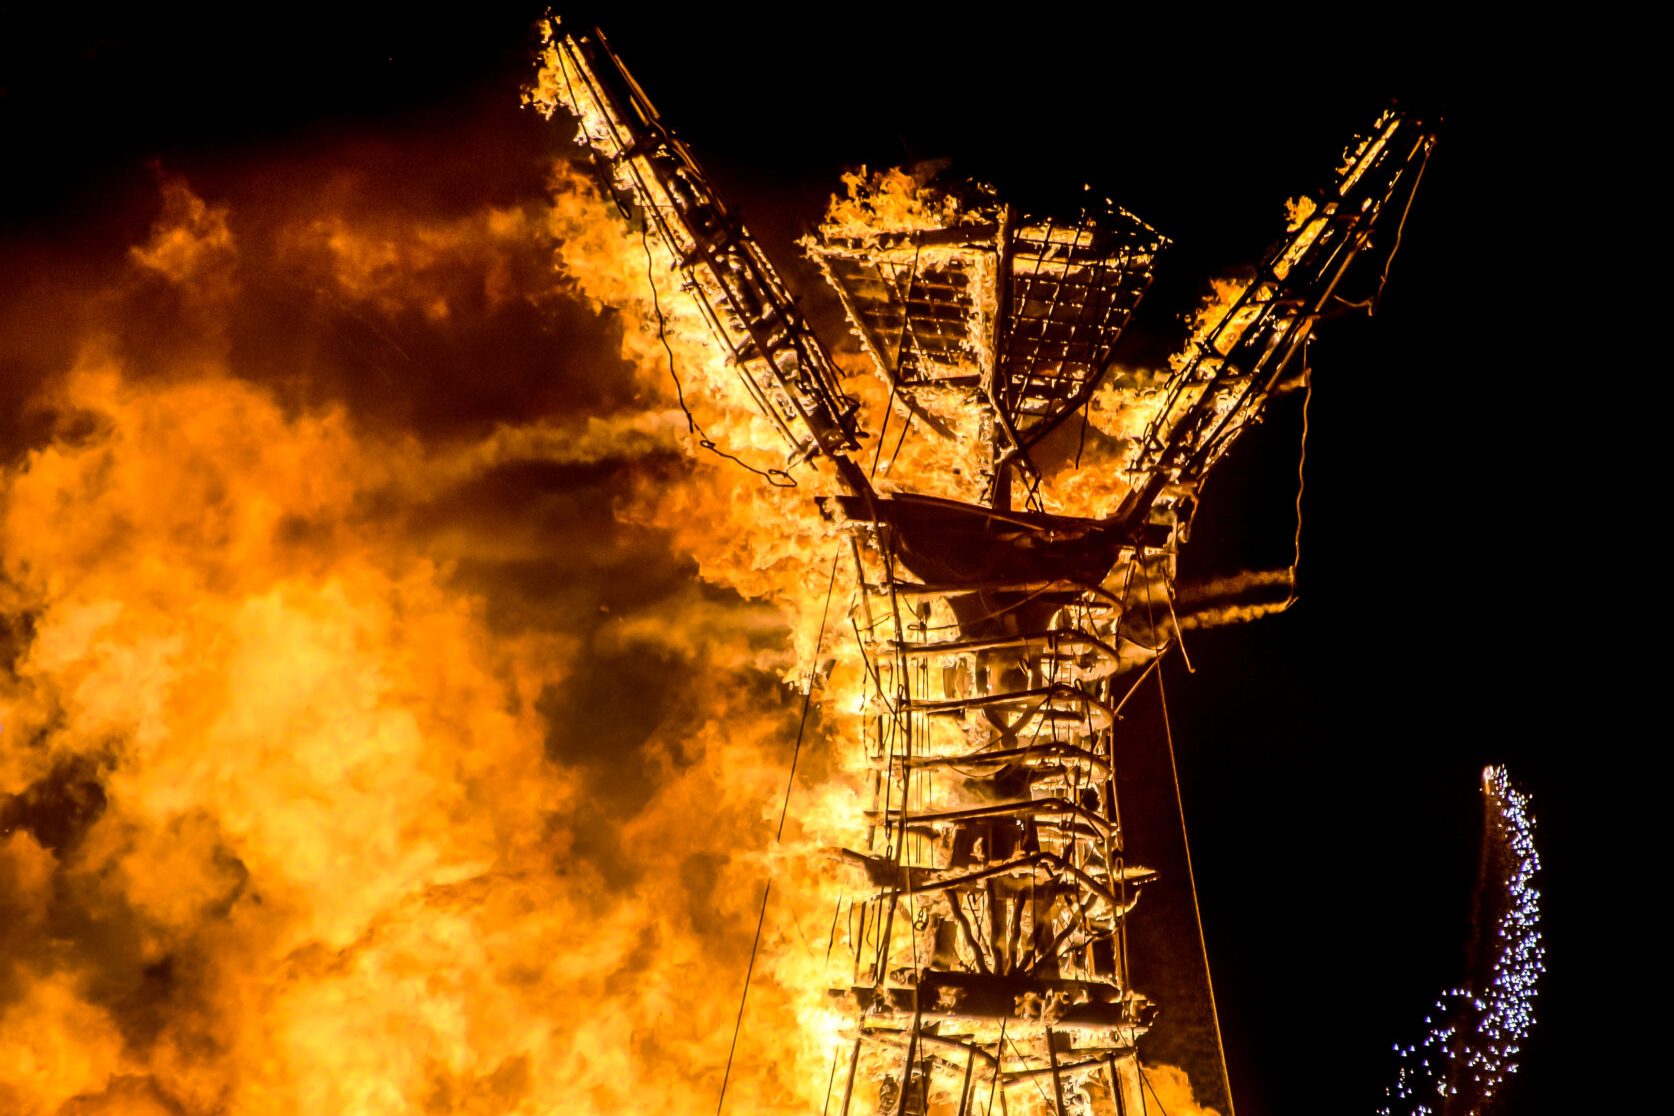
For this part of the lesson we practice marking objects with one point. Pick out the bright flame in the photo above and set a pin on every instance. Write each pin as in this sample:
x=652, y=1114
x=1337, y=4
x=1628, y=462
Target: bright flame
x=309, y=800
x=295, y=813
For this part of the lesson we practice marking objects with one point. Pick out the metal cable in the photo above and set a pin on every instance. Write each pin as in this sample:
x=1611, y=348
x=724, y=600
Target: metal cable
x=767, y=888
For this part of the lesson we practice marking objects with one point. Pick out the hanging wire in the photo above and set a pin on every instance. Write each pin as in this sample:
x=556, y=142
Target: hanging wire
x=883, y=430
x=1179, y=632
x=807, y=697
x=1400, y=228
x=1191, y=874
x=1197, y=912
x=738, y=1023
x=1301, y=475
x=1039, y=1088
x=767, y=888
x=906, y=427
x=778, y=478
x=1146, y=1081
x=999, y=1057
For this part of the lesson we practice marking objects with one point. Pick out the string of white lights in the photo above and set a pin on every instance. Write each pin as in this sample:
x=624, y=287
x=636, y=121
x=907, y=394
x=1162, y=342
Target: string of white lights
x=1476, y=1031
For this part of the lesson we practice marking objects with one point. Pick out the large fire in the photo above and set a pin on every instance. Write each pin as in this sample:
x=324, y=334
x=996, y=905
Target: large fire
x=367, y=744
x=316, y=792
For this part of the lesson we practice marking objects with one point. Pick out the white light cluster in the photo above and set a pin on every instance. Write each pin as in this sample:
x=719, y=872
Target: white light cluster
x=1475, y=1032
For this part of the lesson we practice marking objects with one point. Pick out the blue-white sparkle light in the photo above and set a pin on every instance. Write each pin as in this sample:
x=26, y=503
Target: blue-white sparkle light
x=1477, y=1030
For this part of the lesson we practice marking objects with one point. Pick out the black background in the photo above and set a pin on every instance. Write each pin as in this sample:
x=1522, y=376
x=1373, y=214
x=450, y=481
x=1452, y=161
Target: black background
x=1449, y=582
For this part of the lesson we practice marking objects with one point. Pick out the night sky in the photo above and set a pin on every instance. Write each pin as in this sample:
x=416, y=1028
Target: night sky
x=1329, y=756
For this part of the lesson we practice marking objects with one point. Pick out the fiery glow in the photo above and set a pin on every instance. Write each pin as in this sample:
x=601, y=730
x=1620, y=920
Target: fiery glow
x=335, y=780
x=294, y=812
x=897, y=199
x=993, y=880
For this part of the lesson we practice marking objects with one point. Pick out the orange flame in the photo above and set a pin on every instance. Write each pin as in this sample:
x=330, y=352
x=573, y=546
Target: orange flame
x=290, y=823
x=309, y=801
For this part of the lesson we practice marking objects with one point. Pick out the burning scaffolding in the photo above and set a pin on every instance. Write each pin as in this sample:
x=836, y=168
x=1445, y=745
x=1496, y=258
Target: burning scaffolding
x=986, y=947
x=991, y=327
